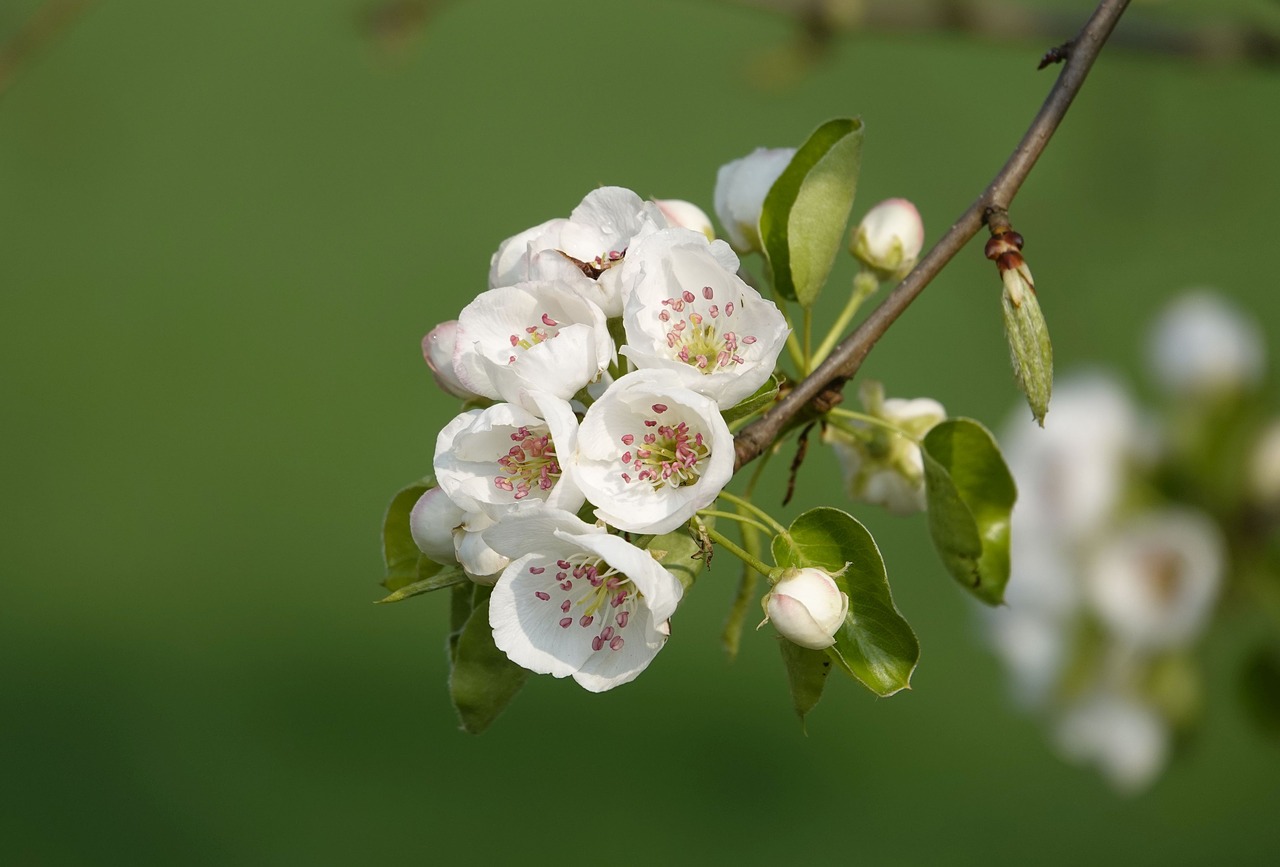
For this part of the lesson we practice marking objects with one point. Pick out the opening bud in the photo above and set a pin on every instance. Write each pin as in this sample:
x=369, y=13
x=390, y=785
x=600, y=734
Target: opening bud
x=807, y=608
x=686, y=215
x=889, y=239
x=741, y=187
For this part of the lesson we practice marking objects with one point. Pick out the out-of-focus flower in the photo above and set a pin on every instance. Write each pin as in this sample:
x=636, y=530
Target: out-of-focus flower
x=882, y=467
x=889, y=238
x=686, y=215
x=593, y=241
x=530, y=337
x=688, y=312
x=1203, y=345
x=1070, y=474
x=1126, y=740
x=651, y=453
x=492, y=459
x=578, y=602
x=437, y=348
x=807, y=607
x=741, y=187
x=1154, y=582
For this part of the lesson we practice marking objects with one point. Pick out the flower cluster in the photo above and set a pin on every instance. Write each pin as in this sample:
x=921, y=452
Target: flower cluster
x=1116, y=571
x=596, y=368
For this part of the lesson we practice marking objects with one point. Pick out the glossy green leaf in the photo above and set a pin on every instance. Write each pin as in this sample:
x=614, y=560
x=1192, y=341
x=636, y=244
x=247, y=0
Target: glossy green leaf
x=437, y=578
x=971, y=495
x=763, y=398
x=807, y=672
x=483, y=681
x=802, y=224
x=875, y=644
x=399, y=552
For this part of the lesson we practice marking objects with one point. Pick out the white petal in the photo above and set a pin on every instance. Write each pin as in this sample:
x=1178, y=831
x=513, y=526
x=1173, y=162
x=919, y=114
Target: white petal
x=526, y=627
x=533, y=529
x=605, y=669
x=660, y=589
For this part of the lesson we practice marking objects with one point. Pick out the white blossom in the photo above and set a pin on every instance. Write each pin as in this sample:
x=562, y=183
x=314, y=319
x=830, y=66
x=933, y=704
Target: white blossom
x=537, y=336
x=447, y=534
x=741, y=188
x=651, y=453
x=1201, y=345
x=807, y=607
x=1154, y=582
x=577, y=601
x=687, y=311
x=889, y=238
x=491, y=459
x=1126, y=740
x=593, y=241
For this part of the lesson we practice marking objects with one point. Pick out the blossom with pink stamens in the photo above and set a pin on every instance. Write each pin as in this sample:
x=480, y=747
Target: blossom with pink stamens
x=651, y=453
x=578, y=602
x=687, y=311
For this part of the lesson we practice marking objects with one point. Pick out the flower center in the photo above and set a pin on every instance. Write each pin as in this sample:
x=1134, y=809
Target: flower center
x=666, y=454
x=694, y=331
x=533, y=335
x=529, y=464
x=599, y=264
x=605, y=598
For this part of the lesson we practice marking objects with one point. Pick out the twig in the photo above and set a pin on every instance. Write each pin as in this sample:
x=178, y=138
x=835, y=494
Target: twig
x=1004, y=21
x=44, y=26
x=822, y=387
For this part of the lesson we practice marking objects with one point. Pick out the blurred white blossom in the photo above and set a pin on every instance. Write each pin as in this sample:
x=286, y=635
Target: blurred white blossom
x=1203, y=345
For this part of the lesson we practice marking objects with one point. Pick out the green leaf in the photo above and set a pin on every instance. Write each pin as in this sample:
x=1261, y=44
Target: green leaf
x=875, y=644
x=438, y=578
x=483, y=681
x=807, y=672
x=804, y=217
x=763, y=398
x=971, y=495
x=399, y=552
x=460, y=605
x=1029, y=350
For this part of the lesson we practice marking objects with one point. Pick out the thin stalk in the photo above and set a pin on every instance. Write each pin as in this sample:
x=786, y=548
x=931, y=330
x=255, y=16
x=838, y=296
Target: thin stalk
x=743, y=503
x=864, y=285
x=732, y=547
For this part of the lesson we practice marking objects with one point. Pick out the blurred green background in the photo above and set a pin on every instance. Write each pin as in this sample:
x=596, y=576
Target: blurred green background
x=224, y=228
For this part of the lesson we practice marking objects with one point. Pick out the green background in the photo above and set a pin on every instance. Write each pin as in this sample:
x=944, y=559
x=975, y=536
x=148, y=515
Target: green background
x=224, y=228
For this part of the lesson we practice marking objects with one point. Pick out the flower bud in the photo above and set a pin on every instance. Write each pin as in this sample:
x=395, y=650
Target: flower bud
x=889, y=239
x=741, y=187
x=807, y=608
x=686, y=215
x=437, y=349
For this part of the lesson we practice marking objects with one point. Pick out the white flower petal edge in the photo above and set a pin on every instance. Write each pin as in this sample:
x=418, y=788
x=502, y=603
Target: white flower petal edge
x=687, y=311
x=651, y=453
x=530, y=337
x=492, y=459
x=741, y=188
x=582, y=603
x=437, y=350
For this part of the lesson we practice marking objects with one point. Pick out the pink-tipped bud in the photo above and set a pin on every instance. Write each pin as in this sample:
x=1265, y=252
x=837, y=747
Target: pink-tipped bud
x=686, y=215
x=889, y=239
x=437, y=349
x=807, y=608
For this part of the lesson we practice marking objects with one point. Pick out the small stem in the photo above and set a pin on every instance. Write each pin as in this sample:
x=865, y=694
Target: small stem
x=733, y=516
x=864, y=285
x=873, y=420
x=808, y=341
x=729, y=545
x=749, y=506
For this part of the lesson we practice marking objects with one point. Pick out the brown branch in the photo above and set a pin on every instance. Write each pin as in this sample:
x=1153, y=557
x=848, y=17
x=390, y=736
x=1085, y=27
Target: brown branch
x=823, y=386
x=44, y=26
x=1004, y=21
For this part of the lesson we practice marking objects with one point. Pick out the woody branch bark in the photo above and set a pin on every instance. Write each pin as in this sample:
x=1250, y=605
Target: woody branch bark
x=821, y=389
